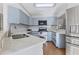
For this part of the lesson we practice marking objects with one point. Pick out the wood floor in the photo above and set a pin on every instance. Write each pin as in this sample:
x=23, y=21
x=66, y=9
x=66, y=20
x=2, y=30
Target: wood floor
x=50, y=49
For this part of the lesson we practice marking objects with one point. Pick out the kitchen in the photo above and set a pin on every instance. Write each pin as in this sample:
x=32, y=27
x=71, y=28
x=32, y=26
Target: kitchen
x=38, y=27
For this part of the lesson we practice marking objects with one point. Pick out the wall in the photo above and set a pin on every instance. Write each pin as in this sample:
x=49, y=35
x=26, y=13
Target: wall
x=1, y=8
x=1, y=16
x=1, y=22
x=5, y=18
x=18, y=28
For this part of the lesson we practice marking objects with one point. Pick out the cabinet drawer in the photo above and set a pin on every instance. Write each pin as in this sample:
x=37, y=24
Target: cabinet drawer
x=72, y=49
x=75, y=41
x=68, y=39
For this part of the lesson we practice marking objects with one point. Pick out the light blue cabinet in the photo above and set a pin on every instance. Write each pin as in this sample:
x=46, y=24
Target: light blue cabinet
x=13, y=15
x=24, y=19
x=49, y=36
x=30, y=21
x=34, y=20
x=60, y=40
x=51, y=21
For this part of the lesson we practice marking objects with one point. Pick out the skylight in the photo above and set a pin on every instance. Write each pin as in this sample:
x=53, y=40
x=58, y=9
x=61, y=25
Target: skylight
x=44, y=4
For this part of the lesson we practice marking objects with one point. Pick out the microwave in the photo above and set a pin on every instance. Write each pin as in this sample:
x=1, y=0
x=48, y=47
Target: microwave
x=42, y=22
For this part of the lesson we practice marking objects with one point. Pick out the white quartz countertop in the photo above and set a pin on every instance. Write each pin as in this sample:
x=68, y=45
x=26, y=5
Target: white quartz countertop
x=61, y=31
x=74, y=34
x=24, y=42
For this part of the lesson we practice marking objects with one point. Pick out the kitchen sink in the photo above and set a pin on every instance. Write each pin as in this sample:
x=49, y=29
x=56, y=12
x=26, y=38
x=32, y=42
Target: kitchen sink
x=18, y=36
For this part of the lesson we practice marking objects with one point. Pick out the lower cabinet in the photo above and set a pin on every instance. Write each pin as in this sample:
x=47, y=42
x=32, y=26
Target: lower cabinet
x=35, y=50
x=72, y=46
x=60, y=40
x=54, y=37
x=49, y=36
x=72, y=49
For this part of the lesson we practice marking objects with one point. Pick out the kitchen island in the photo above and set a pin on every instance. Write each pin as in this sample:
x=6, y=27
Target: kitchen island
x=31, y=45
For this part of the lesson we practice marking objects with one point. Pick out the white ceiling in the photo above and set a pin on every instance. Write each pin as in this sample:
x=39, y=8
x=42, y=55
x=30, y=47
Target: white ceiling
x=58, y=10
x=51, y=11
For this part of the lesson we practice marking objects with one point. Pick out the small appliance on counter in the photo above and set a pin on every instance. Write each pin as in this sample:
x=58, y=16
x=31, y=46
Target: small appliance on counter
x=42, y=22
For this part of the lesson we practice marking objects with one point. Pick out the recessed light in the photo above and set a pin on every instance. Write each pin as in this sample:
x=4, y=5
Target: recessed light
x=44, y=4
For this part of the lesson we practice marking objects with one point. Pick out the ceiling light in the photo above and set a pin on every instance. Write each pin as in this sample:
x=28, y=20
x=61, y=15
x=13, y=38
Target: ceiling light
x=44, y=4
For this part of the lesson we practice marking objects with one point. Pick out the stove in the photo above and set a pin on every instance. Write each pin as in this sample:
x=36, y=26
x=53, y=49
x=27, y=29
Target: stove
x=42, y=29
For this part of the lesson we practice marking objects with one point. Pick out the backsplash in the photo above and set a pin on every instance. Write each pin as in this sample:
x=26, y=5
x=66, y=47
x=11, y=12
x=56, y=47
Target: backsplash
x=15, y=28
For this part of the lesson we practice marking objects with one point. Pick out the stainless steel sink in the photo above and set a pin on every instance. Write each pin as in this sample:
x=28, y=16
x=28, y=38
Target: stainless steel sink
x=18, y=36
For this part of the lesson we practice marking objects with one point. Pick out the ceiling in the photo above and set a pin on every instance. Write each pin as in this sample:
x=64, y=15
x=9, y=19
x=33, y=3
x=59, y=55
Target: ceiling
x=49, y=11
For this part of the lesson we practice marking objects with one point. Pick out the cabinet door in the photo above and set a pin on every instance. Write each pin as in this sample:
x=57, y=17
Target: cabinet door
x=49, y=36
x=51, y=21
x=24, y=19
x=70, y=16
x=72, y=24
x=73, y=15
x=35, y=21
x=72, y=49
x=76, y=15
x=13, y=15
x=60, y=40
x=31, y=21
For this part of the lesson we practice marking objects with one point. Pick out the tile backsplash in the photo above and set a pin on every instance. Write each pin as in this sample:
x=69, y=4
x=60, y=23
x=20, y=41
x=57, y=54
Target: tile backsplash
x=15, y=28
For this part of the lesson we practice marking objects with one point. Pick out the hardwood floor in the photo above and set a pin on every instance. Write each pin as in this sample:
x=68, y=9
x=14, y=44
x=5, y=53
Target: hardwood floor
x=50, y=49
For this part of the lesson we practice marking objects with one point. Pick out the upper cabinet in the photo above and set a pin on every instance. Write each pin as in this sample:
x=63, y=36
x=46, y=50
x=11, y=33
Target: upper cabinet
x=50, y=20
x=23, y=18
x=15, y=15
x=34, y=20
x=73, y=16
x=72, y=20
